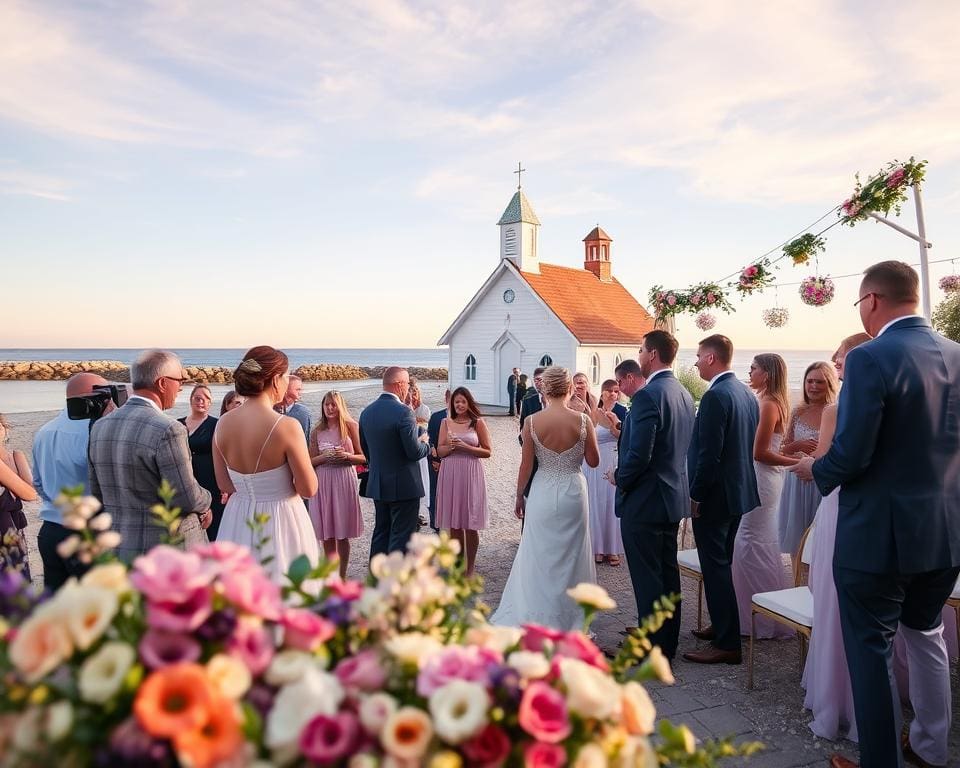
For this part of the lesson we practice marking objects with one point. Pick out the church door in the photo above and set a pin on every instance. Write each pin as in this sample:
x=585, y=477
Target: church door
x=508, y=357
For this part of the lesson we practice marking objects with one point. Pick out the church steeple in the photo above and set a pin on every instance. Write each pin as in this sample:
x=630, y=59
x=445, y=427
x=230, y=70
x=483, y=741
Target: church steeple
x=596, y=254
x=520, y=232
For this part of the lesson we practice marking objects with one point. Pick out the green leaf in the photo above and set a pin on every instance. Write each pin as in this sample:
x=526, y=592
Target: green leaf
x=299, y=570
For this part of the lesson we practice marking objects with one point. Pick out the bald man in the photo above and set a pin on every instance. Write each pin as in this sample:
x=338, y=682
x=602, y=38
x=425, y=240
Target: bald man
x=60, y=461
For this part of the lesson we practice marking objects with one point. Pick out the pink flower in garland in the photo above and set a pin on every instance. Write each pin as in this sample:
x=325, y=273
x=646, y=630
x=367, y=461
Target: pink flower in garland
x=852, y=207
x=711, y=298
x=671, y=300
x=896, y=178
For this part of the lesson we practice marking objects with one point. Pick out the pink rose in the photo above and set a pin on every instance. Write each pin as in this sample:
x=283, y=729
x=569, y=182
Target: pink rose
x=750, y=272
x=543, y=713
x=228, y=555
x=251, y=590
x=305, y=630
x=252, y=644
x=488, y=749
x=170, y=575
x=896, y=178
x=695, y=299
x=182, y=616
x=346, y=590
x=456, y=663
x=671, y=299
x=576, y=645
x=540, y=755
x=361, y=673
x=711, y=298
x=536, y=636
x=326, y=740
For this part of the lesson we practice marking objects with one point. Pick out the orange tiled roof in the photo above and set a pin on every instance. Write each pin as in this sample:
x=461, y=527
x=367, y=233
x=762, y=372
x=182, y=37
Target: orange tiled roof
x=593, y=311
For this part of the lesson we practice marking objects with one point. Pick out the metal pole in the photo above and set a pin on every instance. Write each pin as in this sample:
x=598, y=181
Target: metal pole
x=924, y=246
x=897, y=227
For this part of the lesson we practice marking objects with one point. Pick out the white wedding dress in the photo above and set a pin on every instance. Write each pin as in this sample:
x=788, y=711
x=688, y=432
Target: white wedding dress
x=287, y=528
x=555, y=553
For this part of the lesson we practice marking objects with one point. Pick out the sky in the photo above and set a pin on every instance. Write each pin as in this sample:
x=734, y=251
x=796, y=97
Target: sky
x=330, y=174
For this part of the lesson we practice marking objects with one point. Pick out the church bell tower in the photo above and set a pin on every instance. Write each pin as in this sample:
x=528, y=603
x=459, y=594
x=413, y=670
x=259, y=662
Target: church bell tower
x=520, y=232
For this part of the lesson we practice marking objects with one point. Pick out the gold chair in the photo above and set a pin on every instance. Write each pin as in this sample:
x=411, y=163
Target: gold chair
x=688, y=561
x=791, y=607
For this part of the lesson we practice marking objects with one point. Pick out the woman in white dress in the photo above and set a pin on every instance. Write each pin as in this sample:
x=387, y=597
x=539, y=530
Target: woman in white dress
x=555, y=553
x=261, y=461
x=421, y=412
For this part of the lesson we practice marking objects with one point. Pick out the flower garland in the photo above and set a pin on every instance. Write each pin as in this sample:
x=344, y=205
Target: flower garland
x=754, y=278
x=816, y=291
x=800, y=250
x=705, y=296
x=197, y=658
x=705, y=321
x=950, y=283
x=886, y=190
x=776, y=317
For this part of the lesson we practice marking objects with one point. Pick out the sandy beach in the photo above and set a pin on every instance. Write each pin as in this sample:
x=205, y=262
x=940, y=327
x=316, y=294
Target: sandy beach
x=713, y=700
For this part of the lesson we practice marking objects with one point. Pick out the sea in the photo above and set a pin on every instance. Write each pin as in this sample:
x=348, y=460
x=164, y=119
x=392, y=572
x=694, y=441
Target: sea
x=27, y=396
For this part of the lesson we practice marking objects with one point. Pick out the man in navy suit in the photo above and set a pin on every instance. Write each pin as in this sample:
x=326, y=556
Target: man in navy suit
x=433, y=432
x=723, y=488
x=652, y=488
x=388, y=436
x=532, y=403
x=512, y=381
x=896, y=459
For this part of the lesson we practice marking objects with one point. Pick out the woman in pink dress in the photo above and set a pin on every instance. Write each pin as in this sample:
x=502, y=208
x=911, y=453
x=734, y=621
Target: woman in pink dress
x=335, y=508
x=757, y=565
x=462, y=486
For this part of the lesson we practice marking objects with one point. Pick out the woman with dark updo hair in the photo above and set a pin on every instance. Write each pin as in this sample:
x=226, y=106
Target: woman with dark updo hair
x=261, y=460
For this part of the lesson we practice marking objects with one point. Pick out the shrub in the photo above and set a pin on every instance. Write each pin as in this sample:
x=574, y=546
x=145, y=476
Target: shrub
x=690, y=378
x=946, y=317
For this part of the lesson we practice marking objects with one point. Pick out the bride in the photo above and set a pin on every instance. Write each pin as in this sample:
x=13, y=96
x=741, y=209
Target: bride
x=261, y=461
x=555, y=552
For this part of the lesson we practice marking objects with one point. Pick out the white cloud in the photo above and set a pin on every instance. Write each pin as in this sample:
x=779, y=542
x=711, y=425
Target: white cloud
x=31, y=184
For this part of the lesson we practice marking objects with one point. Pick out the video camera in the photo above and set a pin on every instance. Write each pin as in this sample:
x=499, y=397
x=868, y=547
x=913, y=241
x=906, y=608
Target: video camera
x=93, y=405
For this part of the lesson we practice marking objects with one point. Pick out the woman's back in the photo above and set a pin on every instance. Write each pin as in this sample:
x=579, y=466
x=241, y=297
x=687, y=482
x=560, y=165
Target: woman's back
x=255, y=440
x=557, y=429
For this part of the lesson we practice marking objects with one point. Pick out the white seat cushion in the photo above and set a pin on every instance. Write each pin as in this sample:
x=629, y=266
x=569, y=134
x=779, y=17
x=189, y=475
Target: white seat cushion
x=689, y=558
x=795, y=604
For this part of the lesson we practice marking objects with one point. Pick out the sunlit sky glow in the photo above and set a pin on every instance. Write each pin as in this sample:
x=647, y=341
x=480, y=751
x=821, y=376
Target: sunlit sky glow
x=330, y=174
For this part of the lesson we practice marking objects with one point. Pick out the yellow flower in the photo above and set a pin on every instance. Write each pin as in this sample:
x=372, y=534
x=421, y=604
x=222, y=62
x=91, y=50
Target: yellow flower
x=593, y=596
x=590, y=756
x=446, y=759
x=230, y=676
x=407, y=733
x=411, y=647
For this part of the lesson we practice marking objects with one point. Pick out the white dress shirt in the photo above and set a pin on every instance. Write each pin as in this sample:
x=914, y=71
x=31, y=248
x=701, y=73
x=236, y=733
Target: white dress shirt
x=716, y=378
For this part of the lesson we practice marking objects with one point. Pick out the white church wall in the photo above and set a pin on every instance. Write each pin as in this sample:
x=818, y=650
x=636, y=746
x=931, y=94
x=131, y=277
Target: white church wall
x=529, y=323
x=608, y=358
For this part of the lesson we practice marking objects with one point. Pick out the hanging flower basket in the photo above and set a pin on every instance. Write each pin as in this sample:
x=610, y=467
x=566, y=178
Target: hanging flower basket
x=950, y=283
x=805, y=246
x=883, y=192
x=816, y=291
x=706, y=296
x=776, y=317
x=705, y=321
x=754, y=278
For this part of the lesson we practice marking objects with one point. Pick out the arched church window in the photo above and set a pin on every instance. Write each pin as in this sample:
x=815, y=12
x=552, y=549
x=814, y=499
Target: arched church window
x=470, y=368
x=546, y=361
x=595, y=368
x=603, y=253
x=617, y=360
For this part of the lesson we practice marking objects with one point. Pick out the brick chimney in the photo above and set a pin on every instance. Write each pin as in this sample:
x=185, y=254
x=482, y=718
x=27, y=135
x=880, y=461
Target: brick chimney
x=596, y=254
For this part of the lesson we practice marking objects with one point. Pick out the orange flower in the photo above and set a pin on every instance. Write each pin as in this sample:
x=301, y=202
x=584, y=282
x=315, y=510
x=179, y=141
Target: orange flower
x=218, y=740
x=174, y=700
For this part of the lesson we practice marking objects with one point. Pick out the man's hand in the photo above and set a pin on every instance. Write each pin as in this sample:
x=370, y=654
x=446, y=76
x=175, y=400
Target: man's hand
x=803, y=468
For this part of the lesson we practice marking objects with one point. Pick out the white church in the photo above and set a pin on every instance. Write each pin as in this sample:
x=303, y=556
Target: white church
x=529, y=313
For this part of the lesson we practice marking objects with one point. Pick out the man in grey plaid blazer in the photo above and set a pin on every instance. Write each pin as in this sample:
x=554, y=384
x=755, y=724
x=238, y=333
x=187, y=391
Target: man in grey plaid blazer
x=136, y=447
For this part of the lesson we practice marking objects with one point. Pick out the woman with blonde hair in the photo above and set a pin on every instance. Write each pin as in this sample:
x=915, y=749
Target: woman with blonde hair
x=800, y=498
x=16, y=486
x=555, y=553
x=757, y=565
x=200, y=428
x=335, y=454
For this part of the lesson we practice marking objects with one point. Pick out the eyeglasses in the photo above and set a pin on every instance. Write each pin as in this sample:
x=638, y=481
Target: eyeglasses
x=867, y=296
x=177, y=379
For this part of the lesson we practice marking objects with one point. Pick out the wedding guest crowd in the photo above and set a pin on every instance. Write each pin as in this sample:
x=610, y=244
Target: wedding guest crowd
x=231, y=400
x=200, y=428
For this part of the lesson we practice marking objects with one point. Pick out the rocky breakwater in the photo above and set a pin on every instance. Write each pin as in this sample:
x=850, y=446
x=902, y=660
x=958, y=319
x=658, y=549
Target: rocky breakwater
x=423, y=374
x=58, y=370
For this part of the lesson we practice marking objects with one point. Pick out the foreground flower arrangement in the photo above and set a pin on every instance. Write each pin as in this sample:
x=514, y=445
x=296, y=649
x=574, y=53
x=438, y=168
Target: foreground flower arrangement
x=197, y=659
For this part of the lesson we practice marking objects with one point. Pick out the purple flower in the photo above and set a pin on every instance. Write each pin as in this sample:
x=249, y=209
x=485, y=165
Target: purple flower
x=337, y=610
x=260, y=697
x=160, y=649
x=132, y=747
x=506, y=683
x=218, y=626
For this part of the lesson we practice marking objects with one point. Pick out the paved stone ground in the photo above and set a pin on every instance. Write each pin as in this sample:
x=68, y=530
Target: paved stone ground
x=713, y=700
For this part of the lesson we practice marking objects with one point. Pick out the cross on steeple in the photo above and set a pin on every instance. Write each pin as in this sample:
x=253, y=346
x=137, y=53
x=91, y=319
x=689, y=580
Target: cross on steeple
x=520, y=169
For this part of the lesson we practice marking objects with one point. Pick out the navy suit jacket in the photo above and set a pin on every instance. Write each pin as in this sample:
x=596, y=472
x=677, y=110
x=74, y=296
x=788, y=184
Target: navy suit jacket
x=652, y=485
x=720, y=459
x=388, y=436
x=530, y=405
x=896, y=453
x=433, y=426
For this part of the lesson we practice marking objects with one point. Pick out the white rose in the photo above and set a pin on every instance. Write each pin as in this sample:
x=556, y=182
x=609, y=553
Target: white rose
x=375, y=710
x=638, y=711
x=288, y=666
x=590, y=756
x=494, y=638
x=592, y=595
x=411, y=647
x=231, y=676
x=102, y=675
x=112, y=576
x=459, y=710
x=59, y=720
x=315, y=693
x=88, y=611
x=530, y=664
x=590, y=692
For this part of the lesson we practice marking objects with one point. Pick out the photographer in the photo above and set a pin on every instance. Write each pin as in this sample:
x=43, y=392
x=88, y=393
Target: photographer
x=60, y=461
